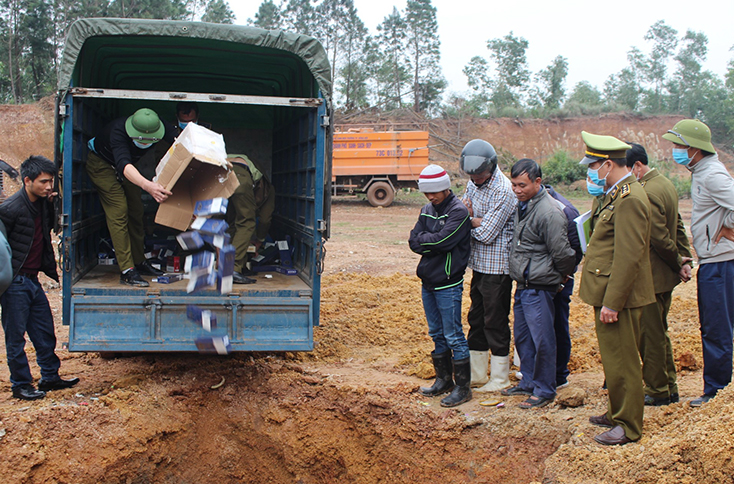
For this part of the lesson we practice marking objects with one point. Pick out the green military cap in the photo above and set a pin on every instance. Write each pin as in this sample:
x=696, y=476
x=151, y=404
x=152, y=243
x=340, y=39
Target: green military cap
x=600, y=147
x=691, y=132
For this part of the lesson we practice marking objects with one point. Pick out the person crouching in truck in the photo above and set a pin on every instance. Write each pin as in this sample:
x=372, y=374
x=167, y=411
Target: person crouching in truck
x=28, y=218
x=111, y=167
x=249, y=213
x=188, y=112
x=442, y=238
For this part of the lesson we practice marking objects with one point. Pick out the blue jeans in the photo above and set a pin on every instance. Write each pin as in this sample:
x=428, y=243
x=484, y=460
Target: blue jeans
x=443, y=313
x=716, y=313
x=535, y=340
x=561, y=302
x=26, y=310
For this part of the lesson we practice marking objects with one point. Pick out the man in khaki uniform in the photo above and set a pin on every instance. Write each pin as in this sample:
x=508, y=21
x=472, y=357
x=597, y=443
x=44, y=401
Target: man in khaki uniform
x=670, y=259
x=617, y=281
x=249, y=214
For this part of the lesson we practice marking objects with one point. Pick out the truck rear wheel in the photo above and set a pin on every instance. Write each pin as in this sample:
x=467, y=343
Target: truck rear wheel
x=380, y=194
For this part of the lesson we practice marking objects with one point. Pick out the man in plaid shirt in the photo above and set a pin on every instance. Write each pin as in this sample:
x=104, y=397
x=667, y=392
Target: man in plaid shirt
x=491, y=205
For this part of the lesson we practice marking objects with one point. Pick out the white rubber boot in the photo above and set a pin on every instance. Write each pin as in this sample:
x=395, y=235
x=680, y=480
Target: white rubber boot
x=499, y=376
x=479, y=366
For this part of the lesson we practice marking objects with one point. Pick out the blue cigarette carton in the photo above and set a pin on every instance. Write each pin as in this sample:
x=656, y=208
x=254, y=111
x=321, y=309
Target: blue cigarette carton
x=210, y=226
x=211, y=208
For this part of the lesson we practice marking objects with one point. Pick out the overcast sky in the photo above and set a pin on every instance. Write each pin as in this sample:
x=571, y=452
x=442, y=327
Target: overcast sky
x=594, y=36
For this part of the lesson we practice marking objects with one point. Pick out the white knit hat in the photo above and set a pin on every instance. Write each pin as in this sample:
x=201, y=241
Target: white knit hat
x=433, y=179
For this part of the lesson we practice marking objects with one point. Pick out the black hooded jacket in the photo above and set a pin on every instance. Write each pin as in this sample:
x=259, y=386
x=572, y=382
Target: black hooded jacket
x=18, y=214
x=442, y=237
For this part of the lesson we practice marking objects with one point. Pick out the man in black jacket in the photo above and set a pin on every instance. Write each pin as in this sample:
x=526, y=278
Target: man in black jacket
x=110, y=165
x=442, y=238
x=28, y=218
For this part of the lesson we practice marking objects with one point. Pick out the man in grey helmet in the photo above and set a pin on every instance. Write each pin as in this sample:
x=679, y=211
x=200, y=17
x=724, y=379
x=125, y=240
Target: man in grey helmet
x=491, y=205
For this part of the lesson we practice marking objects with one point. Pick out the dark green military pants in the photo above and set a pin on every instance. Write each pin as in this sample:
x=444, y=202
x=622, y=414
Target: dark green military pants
x=618, y=345
x=123, y=208
x=656, y=351
x=242, y=213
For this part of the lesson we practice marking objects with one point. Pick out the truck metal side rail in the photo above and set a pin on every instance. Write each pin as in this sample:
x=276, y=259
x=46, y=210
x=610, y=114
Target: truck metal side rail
x=195, y=96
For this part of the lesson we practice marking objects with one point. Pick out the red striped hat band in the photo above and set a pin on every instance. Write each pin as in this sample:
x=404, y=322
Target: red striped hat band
x=435, y=175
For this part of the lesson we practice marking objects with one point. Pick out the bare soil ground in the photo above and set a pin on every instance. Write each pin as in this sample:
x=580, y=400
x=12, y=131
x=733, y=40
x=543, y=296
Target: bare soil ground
x=349, y=411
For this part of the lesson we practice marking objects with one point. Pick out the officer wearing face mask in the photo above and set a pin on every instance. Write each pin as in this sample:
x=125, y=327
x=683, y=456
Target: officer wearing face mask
x=712, y=230
x=188, y=112
x=670, y=259
x=111, y=167
x=617, y=281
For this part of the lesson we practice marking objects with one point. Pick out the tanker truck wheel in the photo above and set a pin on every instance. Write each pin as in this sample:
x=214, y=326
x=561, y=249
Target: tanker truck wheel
x=380, y=194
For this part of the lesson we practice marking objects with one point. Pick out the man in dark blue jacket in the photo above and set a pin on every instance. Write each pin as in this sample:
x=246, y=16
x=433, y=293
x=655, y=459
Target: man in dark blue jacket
x=28, y=218
x=562, y=300
x=442, y=237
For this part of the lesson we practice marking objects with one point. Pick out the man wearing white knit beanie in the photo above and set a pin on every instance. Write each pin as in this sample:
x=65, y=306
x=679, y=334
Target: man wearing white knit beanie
x=441, y=237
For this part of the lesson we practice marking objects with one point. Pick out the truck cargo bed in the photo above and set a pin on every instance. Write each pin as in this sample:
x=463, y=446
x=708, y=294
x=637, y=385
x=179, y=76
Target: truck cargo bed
x=271, y=315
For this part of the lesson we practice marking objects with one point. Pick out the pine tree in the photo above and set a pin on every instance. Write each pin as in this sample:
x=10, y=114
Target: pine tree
x=267, y=16
x=424, y=49
x=394, y=69
x=218, y=12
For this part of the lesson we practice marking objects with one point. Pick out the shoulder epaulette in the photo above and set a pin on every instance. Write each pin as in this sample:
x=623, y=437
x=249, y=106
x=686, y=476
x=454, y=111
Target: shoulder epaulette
x=625, y=190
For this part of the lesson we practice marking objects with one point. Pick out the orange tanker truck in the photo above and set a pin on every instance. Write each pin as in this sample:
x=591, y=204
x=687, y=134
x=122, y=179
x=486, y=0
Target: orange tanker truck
x=377, y=163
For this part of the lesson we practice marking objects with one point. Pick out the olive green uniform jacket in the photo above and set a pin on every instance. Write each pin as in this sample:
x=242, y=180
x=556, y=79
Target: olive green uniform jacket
x=668, y=240
x=617, y=271
x=617, y=275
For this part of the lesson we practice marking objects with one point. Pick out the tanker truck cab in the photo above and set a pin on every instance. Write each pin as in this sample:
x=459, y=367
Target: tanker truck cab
x=269, y=94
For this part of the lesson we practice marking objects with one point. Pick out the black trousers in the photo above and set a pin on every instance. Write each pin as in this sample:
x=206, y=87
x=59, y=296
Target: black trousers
x=489, y=321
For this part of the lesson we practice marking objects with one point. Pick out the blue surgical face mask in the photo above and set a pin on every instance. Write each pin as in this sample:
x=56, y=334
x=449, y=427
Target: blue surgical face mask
x=680, y=156
x=142, y=146
x=594, y=190
x=183, y=124
x=594, y=176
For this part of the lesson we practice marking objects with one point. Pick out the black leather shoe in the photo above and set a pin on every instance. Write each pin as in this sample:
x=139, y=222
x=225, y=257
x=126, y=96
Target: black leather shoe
x=27, y=392
x=146, y=269
x=656, y=402
x=132, y=278
x=601, y=421
x=614, y=436
x=59, y=384
x=238, y=278
x=674, y=398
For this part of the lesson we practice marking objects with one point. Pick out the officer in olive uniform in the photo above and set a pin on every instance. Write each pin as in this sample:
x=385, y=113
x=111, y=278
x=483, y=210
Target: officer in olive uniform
x=249, y=214
x=670, y=259
x=617, y=281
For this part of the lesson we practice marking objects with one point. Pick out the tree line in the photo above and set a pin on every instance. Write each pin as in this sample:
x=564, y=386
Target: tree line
x=398, y=66
x=32, y=34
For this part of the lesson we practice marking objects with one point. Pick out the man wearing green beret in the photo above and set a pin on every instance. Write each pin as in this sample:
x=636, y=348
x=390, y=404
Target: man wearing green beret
x=110, y=165
x=712, y=229
x=617, y=280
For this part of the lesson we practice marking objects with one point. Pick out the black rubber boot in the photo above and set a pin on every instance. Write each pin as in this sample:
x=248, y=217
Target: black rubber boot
x=462, y=391
x=444, y=383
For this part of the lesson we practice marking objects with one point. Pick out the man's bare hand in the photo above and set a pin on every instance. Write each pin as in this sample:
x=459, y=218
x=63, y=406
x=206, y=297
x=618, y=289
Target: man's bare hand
x=52, y=196
x=467, y=203
x=607, y=315
x=157, y=191
x=476, y=222
x=685, y=273
x=726, y=233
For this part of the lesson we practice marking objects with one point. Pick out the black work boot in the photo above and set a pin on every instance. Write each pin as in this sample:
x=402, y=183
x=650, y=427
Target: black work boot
x=444, y=383
x=132, y=278
x=462, y=391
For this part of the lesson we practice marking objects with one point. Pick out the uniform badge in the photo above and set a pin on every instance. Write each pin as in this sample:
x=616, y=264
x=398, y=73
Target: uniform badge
x=625, y=190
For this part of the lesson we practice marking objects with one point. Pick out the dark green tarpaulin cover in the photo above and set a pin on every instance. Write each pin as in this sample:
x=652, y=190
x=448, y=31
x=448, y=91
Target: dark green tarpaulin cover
x=163, y=55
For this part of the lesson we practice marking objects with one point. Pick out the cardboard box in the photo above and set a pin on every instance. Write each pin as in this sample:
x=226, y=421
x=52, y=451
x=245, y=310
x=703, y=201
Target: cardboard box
x=195, y=168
